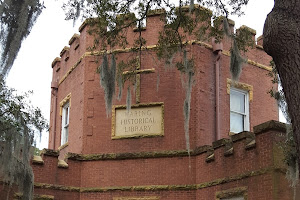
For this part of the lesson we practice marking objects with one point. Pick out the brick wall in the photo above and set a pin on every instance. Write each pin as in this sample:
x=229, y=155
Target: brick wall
x=247, y=164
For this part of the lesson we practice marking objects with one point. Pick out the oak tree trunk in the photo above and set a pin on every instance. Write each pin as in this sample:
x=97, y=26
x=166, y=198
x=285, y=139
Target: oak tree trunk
x=282, y=42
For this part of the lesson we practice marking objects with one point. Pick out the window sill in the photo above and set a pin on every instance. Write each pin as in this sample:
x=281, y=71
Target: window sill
x=232, y=133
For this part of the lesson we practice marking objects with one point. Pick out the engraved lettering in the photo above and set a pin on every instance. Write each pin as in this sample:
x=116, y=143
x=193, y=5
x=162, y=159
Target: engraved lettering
x=139, y=121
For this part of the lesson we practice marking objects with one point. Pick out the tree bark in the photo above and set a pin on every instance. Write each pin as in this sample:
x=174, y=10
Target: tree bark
x=282, y=42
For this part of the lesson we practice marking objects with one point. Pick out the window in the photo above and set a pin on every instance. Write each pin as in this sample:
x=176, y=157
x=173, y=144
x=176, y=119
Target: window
x=65, y=123
x=239, y=110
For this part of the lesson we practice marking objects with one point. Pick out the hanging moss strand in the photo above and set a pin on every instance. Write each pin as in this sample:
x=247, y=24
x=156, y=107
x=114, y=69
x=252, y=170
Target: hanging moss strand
x=188, y=68
x=236, y=61
x=128, y=99
x=107, y=81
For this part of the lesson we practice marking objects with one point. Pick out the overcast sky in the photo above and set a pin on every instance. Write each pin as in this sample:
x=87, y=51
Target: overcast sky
x=32, y=68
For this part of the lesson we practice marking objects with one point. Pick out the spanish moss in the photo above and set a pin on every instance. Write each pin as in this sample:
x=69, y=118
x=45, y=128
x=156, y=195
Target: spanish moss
x=192, y=5
x=16, y=138
x=120, y=87
x=157, y=81
x=226, y=27
x=17, y=19
x=14, y=161
x=128, y=99
x=236, y=62
x=107, y=81
x=189, y=73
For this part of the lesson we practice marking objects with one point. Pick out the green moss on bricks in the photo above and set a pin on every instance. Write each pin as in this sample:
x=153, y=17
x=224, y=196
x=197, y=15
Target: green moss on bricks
x=106, y=189
x=121, y=156
x=235, y=178
x=241, y=136
x=239, y=191
x=37, y=160
x=35, y=197
x=44, y=197
x=156, y=12
x=270, y=125
x=200, y=150
x=141, y=188
x=159, y=154
x=160, y=187
x=49, y=152
x=220, y=143
x=137, y=136
x=56, y=187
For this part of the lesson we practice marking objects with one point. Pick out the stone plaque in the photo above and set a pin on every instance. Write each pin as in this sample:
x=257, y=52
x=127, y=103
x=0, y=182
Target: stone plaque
x=143, y=120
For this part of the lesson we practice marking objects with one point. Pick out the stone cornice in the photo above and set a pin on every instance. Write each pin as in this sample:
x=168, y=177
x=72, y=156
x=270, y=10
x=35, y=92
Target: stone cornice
x=247, y=136
x=270, y=125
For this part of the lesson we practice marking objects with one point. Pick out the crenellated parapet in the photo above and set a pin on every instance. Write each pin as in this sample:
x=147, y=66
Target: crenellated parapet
x=80, y=44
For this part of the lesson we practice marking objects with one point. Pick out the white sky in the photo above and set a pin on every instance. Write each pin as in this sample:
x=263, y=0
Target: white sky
x=32, y=68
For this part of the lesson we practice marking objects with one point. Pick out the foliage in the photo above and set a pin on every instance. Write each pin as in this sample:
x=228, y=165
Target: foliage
x=16, y=20
x=289, y=145
x=18, y=122
x=236, y=61
x=110, y=19
x=107, y=80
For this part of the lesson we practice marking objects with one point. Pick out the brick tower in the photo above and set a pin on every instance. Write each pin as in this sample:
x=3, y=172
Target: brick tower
x=141, y=154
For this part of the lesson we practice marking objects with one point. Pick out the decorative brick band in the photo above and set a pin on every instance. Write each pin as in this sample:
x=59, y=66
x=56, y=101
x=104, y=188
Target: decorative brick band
x=248, y=136
x=160, y=187
x=35, y=197
x=251, y=62
x=126, y=50
x=239, y=191
x=122, y=156
x=56, y=187
x=249, y=143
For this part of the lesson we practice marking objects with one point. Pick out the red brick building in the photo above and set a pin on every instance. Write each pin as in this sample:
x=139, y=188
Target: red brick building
x=155, y=165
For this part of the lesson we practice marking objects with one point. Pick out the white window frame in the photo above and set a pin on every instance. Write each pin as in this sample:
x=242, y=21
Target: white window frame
x=246, y=114
x=65, y=123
